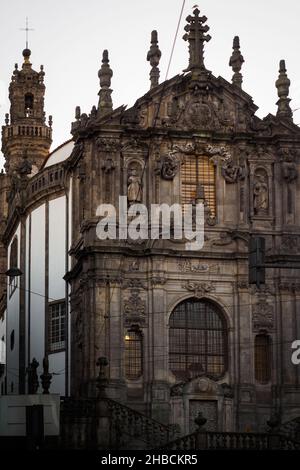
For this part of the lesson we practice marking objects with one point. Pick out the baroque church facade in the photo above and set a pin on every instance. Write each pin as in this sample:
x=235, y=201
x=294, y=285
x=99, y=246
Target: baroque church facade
x=182, y=332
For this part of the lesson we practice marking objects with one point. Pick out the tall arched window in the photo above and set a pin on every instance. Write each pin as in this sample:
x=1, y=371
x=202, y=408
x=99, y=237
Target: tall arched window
x=133, y=354
x=198, y=340
x=263, y=345
x=198, y=172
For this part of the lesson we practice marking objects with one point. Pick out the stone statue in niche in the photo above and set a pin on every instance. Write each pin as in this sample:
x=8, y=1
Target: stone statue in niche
x=134, y=186
x=261, y=193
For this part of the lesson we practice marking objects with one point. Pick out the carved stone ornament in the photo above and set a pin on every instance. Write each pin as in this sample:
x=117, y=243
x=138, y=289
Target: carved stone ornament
x=134, y=284
x=199, y=288
x=243, y=284
x=135, y=309
x=262, y=290
x=158, y=281
x=177, y=390
x=263, y=315
x=289, y=168
x=227, y=390
x=107, y=145
x=108, y=166
x=289, y=172
x=134, y=265
x=219, y=153
x=170, y=165
x=290, y=244
x=233, y=173
x=289, y=286
x=187, y=266
x=198, y=113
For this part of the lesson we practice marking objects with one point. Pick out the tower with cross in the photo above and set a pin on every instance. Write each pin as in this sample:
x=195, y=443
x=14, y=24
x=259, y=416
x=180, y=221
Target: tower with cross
x=25, y=131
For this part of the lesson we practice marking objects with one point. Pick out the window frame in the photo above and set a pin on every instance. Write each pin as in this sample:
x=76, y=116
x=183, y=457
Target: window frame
x=61, y=331
x=138, y=353
x=263, y=365
x=187, y=349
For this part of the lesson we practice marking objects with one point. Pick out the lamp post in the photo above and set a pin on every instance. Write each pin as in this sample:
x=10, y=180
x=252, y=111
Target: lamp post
x=13, y=272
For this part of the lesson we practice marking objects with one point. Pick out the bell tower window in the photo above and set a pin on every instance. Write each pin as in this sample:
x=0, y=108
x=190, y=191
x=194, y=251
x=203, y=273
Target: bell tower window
x=28, y=104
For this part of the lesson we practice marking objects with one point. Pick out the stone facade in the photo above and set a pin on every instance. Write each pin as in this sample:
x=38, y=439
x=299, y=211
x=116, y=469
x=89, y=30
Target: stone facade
x=116, y=285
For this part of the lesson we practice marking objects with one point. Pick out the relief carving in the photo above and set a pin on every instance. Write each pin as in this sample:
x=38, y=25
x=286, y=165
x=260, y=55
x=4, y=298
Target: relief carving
x=263, y=314
x=188, y=266
x=232, y=172
x=135, y=309
x=199, y=288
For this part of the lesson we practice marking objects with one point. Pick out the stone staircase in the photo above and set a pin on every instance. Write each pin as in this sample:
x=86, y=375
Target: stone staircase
x=90, y=423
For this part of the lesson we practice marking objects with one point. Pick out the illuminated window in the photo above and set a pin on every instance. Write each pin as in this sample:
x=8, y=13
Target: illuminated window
x=133, y=354
x=198, y=340
x=57, y=326
x=198, y=171
x=263, y=358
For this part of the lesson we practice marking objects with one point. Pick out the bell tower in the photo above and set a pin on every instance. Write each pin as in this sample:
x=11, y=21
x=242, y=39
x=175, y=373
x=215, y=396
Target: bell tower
x=26, y=136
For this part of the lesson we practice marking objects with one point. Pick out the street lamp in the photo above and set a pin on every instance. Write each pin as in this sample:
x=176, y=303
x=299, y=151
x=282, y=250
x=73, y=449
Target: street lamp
x=13, y=272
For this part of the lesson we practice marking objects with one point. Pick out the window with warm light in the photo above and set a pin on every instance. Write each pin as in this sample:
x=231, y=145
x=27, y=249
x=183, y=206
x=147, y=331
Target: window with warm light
x=133, y=354
x=195, y=171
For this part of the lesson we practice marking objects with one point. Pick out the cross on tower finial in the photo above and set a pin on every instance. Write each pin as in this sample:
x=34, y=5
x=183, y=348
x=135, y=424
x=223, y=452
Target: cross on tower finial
x=27, y=29
x=195, y=35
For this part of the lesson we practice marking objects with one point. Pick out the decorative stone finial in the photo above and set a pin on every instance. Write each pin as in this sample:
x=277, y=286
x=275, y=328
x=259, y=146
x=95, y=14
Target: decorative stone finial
x=200, y=421
x=195, y=35
x=101, y=380
x=105, y=74
x=283, y=86
x=33, y=381
x=153, y=56
x=41, y=74
x=236, y=62
x=46, y=377
x=26, y=55
x=77, y=113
